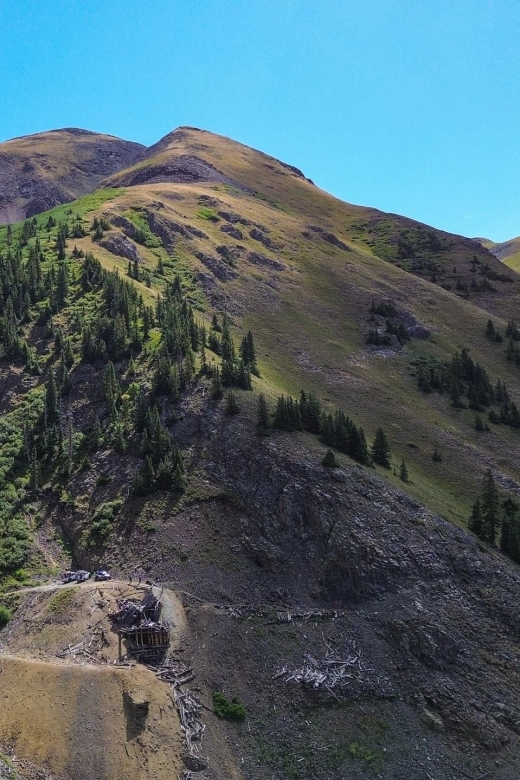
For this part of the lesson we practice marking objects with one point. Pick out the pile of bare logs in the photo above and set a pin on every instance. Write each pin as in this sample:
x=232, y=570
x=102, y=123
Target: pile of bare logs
x=90, y=648
x=337, y=674
x=177, y=674
x=328, y=673
x=244, y=611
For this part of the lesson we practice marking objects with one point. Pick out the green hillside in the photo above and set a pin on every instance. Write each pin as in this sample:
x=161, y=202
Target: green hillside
x=143, y=326
x=507, y=251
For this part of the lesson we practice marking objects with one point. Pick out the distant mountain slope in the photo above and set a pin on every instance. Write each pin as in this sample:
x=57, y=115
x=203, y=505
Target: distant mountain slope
x=506, y=251
x=456, y=263
x=40, y=171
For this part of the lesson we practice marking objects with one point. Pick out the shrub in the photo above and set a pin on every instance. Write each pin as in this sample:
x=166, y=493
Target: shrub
x=230, y=710
x=330, y=460
x=5, y=616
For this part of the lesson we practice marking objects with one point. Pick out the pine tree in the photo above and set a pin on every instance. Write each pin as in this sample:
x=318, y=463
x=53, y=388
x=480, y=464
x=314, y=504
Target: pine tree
x=403, y=472
x=62, y=285
x=35, y=471
x=232, y=405
x=475, y=520
x=217, y=390
x=262, y=425
x=227, y=345
x=111, y=389
x=96, y=435
x=490, y=508
x=145, y=477
x=52, y=413
x=436, y=457
x=381, y=449
x=248, y=353
x=510, y=537
x=358, y=447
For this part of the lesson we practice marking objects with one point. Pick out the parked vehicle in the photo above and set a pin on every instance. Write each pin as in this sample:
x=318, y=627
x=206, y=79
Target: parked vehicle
x=75, y=576
x=102, y=575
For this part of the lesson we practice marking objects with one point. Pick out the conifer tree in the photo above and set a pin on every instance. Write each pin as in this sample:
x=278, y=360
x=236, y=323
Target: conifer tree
x=262, y=425
x=381, y=449
x=232, y=405
x=358, y=448
x=217, y=389
x=510, y=537
x=329, y=460
x=490, y=508
x=52, y=413
x=96, y=436
x=35, y=471
x=111, y=389
x=248, y=353
x=403, y=472
x=145, y=477
x=475, y=520
x=62, y=285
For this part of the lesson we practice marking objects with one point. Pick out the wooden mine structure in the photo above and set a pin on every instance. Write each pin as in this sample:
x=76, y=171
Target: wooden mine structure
x=147, y=638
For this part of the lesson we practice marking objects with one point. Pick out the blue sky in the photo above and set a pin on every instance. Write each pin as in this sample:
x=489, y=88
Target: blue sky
x=411, y=106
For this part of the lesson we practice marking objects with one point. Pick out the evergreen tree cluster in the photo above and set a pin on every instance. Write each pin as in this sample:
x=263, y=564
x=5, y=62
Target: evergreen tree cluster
x=469, y=385
x=512, y=351
x=492, y=333
x=492, y=516
x=336, y=430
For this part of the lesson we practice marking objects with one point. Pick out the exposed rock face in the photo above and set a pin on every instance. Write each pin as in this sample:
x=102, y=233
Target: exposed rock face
x=260, y=236
x=41, y=171
x=439, y=603
x=221, y=270
x=257, y=259
x=185, y=168
x=317, y=232
x=232, y=231
x=121, y=246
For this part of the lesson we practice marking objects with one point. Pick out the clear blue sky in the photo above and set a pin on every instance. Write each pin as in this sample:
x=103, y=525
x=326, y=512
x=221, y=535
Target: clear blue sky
x=412, y=106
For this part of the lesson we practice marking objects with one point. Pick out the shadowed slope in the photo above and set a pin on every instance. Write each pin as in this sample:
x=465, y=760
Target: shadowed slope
x=40, y=171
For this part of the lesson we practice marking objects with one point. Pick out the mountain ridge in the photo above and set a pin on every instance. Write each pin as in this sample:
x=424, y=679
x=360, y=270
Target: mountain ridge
x=124, y=313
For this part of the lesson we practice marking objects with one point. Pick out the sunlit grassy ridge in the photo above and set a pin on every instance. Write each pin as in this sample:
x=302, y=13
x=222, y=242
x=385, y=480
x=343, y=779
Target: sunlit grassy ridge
x=306, y=295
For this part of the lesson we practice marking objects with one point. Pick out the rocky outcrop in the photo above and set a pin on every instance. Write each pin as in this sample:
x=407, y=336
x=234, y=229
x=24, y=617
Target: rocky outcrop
x=121, y=246
x=317, y=232
x=255, y=258
x=259, y=235
x=232, y=231
x=219, y=269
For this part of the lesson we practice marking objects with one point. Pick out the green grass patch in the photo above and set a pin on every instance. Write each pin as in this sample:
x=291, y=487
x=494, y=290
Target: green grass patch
x=143, y=234
x=208, y=214
x=61, y=601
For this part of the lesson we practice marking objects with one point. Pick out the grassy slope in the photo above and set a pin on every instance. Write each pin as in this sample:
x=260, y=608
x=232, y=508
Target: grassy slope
x=310, y=320
x=507, y=251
